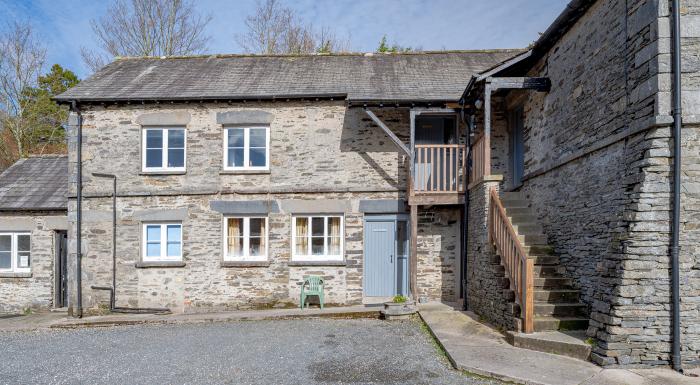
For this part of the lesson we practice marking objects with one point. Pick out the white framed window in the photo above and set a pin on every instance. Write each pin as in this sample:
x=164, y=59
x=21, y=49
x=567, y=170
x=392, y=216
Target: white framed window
x=245, y=239
x=164, y=149
x=247, y=148
x=162, y=242
x=15, y=252
x=317, y=237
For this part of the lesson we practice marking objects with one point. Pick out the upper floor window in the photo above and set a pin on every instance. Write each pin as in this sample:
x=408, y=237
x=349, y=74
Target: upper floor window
x=317, y=237
x=245, y=239
x=164, y=149
x=15, y=252
x=162, y=242
x=246, y=148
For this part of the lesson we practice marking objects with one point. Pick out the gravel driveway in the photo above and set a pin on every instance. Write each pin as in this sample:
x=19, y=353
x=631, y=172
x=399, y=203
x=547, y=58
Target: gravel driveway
x=310, y=351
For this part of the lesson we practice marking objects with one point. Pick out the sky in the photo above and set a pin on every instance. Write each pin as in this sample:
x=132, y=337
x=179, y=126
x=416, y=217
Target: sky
x=64, y=25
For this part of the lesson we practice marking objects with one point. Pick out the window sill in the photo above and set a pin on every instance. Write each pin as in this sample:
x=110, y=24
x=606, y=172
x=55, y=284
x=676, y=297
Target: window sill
x=152, y=173
x=317, y=263
x=15, y=275
x=245, y=263
x=244, y=172
x=167, y=264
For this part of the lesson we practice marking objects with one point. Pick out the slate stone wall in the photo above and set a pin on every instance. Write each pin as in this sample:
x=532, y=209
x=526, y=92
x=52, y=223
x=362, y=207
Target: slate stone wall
x=598, y=161
x=34, y=290
x=323, y=156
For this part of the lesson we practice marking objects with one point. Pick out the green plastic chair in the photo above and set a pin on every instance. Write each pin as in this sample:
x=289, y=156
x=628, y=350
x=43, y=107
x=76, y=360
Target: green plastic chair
x=312, y=285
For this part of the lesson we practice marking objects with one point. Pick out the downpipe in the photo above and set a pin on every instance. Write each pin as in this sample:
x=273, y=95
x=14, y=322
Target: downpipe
x=465, y=217
x=75, y=107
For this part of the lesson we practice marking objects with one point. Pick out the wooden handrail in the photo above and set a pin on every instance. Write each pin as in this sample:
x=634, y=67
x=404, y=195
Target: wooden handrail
x=439, y=168
x=519, y=268
x=481, y=158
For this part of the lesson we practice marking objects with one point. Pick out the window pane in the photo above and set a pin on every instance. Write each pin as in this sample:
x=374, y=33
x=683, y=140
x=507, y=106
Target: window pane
x=334, y=226
x=23, y=260
x=154, y=158
x=154, y=138
x=174, y=249
x=174, y=233
x=23, y=243
x=334, y=246
x=256, y=246
x=301, y=239
x=153, y=250
x=153, y=233
x=176, y=157
x=257, y=137
x=176, y=138
x=257, y=227
x=5, y=260
x=5, y=243
x=235, y=157
x=257, y=157
x=235, y=246
x=317, y=246
x=317, y=227
x=235, y=137
x=235, y=236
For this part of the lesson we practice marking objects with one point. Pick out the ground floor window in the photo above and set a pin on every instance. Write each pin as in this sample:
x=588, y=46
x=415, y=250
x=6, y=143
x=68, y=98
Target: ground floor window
x=15, y=252
x=245, y=239
x=162, y=242
x=317, y=237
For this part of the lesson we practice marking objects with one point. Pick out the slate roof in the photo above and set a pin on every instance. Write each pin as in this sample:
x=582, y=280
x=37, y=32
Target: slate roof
x=35, y=183
x=420, y=77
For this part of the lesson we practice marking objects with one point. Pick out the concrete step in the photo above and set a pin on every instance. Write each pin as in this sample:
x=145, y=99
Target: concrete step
x=522, y=218
x=511, y=211
x=556, y=295
x=544, y=271
x=513, y=195
x=544, y=323
x=570, y=344
x=515, y=203
x=553, y=283
x=528, y=228
x=533, y=250
x=572, y=309
x=537, y=239
x=540, y=260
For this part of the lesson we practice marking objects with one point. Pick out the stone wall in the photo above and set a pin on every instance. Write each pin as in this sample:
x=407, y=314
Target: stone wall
x=439, y=252
x=597, y=168
x=34, y=290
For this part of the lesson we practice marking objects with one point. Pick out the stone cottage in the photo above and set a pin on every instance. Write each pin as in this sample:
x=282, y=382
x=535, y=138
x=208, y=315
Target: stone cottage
x=536, y=185
x=33, y=234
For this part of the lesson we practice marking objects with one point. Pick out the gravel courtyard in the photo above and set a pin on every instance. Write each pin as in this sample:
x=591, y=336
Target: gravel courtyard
x=310, y=351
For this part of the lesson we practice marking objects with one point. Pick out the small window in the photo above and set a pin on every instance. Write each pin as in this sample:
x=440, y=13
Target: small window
x=245, y=239
x=317, y=237
x=15, y=252
x=164, y=149
x=246, y=148
x=162, y=242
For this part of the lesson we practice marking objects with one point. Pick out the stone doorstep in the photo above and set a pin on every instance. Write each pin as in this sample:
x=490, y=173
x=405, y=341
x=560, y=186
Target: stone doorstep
x=570, y=344
x=251, y=315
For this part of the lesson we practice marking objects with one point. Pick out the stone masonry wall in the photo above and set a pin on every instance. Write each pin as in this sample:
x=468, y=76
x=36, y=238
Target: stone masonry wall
x=438, y=253
x=32, y=290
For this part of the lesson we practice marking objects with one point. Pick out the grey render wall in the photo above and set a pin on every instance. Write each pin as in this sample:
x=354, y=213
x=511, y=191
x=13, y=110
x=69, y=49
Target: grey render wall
x=598, y=174
x=320, y=152
x=35, y=289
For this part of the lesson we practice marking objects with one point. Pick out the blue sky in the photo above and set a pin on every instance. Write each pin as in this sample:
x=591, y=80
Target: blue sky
x=430, y=24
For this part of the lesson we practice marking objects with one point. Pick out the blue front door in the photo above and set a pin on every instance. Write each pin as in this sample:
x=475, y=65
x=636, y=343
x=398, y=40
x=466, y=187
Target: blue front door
x=380, y=258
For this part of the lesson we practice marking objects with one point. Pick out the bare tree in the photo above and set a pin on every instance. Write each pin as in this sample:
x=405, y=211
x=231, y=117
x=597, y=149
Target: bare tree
x=147, y=28
x=276, y=29
x=22, y=59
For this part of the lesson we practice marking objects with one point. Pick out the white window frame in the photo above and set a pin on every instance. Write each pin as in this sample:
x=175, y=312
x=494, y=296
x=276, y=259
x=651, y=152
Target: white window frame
x=163, y=242
x=14, y=251
x=164, y=148
x=246, y=149
x=246, y=239
x=296, y=256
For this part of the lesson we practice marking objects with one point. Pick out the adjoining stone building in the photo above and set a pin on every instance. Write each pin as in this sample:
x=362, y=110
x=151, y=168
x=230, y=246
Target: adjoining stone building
x=33, y=233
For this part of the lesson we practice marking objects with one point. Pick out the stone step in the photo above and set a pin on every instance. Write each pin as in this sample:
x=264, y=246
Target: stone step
x=544, y=271
x=570, y=344
x=559, y=323
x=533, y=250
x=515, y=203
x=528, y=228
x=545, y=259
x=513, y=195
x=522, y=218
x=512, y=211
x=553, y=283
x=537, y=239
x=556, y=295
x=571, y=309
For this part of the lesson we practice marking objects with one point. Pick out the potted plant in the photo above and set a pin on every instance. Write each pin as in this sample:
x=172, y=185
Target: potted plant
x=399, y=307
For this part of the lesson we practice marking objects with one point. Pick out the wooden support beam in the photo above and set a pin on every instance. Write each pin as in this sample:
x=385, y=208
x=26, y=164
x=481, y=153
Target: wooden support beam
x=414, y=252
x=388, y=132
x=525, y=83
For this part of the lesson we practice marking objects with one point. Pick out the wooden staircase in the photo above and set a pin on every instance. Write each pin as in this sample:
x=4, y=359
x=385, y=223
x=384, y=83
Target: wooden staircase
x=556, y=302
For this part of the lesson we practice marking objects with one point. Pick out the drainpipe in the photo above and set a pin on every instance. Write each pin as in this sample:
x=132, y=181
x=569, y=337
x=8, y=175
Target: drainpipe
x=78, y=211
x=675, y=235
x=465, y=216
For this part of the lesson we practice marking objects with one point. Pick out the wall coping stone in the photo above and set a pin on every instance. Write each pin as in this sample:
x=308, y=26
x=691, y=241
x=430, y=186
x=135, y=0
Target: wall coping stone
x=244, y=117
x=175, y=118
x=486, y=179
x=164, y=264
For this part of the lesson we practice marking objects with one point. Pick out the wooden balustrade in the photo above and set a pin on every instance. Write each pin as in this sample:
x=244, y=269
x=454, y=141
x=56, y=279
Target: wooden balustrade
x=481, y=158
x=519, y=268
x=440, y=168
